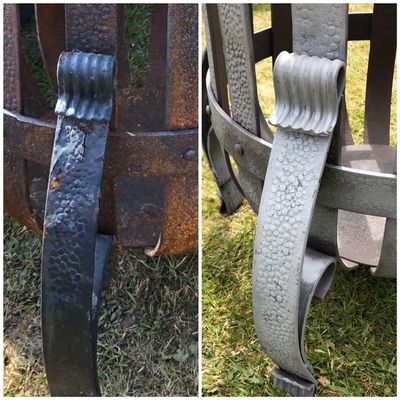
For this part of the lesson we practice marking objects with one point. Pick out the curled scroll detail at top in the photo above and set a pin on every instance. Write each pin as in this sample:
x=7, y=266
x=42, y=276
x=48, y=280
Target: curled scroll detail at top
x=85, y=82
x=308, y=92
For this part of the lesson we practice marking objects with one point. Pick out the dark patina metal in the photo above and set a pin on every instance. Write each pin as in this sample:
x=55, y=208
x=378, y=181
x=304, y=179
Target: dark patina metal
x=69, y=297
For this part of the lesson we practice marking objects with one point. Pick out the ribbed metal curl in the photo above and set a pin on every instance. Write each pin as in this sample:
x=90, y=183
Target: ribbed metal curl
x=85, y=82
x=308, y=92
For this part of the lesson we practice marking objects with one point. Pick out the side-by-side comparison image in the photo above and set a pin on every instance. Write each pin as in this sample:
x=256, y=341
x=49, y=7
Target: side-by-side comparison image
x=199, y=200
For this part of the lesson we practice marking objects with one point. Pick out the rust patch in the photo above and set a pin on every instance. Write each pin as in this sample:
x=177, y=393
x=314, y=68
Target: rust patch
x=86, y=127
x=56, y=181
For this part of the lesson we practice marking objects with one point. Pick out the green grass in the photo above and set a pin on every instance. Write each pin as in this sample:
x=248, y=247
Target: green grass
x=148, y=320
x=138, y=28
x=350, y=336
x=31, y=51
x=147, y=343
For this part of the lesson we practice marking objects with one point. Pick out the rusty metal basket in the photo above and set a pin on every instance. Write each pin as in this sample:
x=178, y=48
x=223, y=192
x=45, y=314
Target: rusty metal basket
x=122, y=160
x=153, y=141
x=345, y=209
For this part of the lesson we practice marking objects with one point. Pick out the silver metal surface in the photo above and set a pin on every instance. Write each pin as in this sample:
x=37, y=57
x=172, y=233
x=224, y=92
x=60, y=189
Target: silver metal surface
x=228, y=192
x=209, y=48
x=351, y=189
x=346, y=210
x=237, y=41
x=308, y=92
x=290, y=383
x=316, y=278
x=302, y=103
x=387, y=261
x=321, y=30
x=239, y=59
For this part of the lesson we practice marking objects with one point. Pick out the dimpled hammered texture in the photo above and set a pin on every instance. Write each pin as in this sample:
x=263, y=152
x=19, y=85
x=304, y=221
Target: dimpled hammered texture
x=103, y=35
x=236, y=33
x=239, y=59
x=319, y=30
x=70, y=225
x=297, y=160
x=280, y=244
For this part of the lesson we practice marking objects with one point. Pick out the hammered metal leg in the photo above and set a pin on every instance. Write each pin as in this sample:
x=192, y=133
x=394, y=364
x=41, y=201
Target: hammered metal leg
x=74, y=255
x=236, y=32
x=286, y=274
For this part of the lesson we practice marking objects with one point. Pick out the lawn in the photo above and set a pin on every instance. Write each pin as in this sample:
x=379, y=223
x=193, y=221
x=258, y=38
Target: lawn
x=350, y=336
x=148, y=342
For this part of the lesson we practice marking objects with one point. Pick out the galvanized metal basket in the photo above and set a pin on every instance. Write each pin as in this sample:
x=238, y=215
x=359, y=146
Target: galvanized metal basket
x=320, y=198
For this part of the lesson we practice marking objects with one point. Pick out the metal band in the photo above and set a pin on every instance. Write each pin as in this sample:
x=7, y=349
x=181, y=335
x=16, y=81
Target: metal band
x=217, y=157
x=16, y=196
x=325, y=41
x=236, y=30
x=380, y=74
x=308, y=90
x=182, y=67
x=387, y=262
x=74, y=255
x=228, y=193
x=351, y=189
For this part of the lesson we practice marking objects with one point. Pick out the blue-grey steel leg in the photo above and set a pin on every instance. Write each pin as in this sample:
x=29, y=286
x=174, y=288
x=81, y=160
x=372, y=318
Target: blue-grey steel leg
x=74, y=254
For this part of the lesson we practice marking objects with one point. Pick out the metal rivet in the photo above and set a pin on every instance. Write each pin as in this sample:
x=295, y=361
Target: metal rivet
x=190, y=154
x=238, y=149
x=208, y=110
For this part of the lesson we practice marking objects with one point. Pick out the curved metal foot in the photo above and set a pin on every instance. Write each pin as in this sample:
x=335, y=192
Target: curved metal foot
x=74, y=255
x=292, y=384
x=316, y=277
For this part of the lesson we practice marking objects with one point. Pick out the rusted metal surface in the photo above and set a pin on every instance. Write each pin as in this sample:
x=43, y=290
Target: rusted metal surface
x=12, y=59
x=143, y=142
x=16, y=198
x=51, y=36
x=97, y=34
x=182, y=67
x=33, y=140
x=140, y=198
